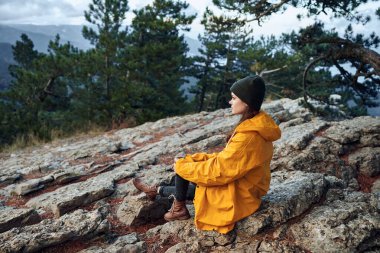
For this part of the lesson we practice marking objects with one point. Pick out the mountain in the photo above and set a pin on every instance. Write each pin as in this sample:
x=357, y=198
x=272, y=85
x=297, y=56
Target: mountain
x=194, y=45
x=41, y=35
x=6, y=59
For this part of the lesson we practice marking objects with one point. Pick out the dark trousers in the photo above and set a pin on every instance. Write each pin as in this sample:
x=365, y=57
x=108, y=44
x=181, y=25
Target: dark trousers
x=183, y=189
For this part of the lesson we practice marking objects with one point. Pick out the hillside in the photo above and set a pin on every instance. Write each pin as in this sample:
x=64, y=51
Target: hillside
x=76, y=195
x=6, y=59
x=41, y=35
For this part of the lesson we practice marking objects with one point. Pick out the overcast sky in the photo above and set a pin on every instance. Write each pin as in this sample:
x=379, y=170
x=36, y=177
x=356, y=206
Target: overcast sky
x=55, y=12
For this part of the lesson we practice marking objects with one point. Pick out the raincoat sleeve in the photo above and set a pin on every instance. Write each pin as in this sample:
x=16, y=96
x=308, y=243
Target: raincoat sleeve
x=198, y=157
x=245, y=152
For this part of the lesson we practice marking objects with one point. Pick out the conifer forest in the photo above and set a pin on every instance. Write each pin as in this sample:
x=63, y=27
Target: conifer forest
x=134, y=73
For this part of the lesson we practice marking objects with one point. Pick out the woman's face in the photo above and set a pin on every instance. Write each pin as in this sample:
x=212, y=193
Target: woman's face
x=238, y=106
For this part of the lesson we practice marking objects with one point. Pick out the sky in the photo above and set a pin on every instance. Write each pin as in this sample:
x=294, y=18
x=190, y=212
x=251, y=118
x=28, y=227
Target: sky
x=56, y=12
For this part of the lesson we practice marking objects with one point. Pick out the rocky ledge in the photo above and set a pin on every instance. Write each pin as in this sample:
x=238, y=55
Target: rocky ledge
x=75, y=195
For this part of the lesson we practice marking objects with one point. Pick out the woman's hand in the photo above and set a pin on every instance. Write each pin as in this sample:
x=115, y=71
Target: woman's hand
x=179, y=156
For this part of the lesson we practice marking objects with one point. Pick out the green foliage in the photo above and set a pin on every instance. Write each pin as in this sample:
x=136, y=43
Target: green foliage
x=217, y=67
x=261, y=10
x=330, y=52
x=129, y=77
x=134, y=73
x=156, y=58
x=319, y=53
x=39, y=91
x=103, y=64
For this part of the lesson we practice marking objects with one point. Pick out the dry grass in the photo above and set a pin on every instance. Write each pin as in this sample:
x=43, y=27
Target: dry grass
x=26, y=141
x=23, y=141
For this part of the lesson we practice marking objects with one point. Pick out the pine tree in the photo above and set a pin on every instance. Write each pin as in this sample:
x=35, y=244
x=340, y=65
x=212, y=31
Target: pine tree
x=105, y=72
x=326, y=49
x=156, y=58
x=217, y=65
x=38, y=94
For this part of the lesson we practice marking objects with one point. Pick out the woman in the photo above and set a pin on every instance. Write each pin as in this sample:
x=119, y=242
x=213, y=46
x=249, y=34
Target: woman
x=229, y=184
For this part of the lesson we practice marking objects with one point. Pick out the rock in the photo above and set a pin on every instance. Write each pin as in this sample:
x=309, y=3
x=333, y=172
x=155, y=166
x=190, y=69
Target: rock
x=126, y=170
x=350, y=224
x=125, y=189
x=292, y=123
x=280, y=232
x=213, y=141
x=353, y=130
x=128, y=243
x=217, y=238
x=184, y=229
x=65, y=177
x=73, y=226
x=339, y=150
x=278, y=246
x=376, y=186
x=137, y=210
x=11, y=217
x=246, y=247
x=159, y=175
x=172, y=143
x=366, y=160
x=287, y=110
x=185, y=248
x=93, y=249
x=291, y=194
x=8, y=179
x=72, y=196
x=298, y=137
x=285, y=200
x=32, y=185
x=320, y=153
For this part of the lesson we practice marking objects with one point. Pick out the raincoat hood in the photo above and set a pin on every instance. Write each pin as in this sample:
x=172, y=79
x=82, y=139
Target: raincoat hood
x=263, y=124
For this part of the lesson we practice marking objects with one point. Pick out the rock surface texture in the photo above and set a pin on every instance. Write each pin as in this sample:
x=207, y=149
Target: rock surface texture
x=76, y=195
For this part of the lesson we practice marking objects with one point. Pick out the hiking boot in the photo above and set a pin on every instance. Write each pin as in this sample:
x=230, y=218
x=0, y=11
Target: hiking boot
x=178, y=211
x=150, y=191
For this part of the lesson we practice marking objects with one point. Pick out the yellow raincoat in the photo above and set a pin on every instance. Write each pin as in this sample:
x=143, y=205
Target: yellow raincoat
x=230, y=183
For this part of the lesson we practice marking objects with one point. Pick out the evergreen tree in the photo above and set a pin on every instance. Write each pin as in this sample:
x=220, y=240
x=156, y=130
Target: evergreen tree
x=157, y=60
x=280, y=68
x=329, y=51
x=38, y=94
x=206, y=64
x=326, y=48
x=260, y=10
x=217, y=66
x=20, y=101
x=105, y=72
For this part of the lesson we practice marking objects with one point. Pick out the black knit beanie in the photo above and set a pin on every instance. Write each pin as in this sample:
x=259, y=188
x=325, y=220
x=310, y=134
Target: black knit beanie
x=250, y=90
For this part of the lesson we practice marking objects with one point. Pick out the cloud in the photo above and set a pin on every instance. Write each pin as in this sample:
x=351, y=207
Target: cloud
x=40, y=11
x=55, y=12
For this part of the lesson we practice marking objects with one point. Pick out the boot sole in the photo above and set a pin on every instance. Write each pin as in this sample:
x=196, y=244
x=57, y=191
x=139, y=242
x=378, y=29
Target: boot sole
x=180, y=218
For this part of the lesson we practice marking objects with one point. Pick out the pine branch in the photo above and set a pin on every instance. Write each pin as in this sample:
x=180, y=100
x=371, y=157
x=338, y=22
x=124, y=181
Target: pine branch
x=267, y=12
x=267, y=72
x=305, y=73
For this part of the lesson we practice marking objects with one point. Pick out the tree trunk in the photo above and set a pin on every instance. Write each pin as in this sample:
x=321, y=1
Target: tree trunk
x=362, y=54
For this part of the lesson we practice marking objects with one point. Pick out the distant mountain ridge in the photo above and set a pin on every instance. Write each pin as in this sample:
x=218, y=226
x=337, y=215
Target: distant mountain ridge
x=6, y=59
x=41, y=35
